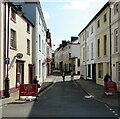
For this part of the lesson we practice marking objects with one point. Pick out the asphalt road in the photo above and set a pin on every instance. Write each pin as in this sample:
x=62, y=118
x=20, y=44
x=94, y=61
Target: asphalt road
x=63, y=99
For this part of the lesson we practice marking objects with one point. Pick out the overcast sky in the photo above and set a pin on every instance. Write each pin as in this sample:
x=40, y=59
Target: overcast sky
x=66, y=18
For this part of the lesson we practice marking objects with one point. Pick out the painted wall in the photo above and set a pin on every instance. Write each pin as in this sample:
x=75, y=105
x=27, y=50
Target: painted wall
x=103, y=60
x=21, y=42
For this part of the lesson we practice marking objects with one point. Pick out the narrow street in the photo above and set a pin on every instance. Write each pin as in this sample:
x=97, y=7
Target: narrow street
x=62, y=99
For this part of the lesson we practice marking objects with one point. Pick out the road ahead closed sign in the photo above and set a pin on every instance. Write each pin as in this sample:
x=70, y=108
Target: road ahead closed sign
x=28, y=89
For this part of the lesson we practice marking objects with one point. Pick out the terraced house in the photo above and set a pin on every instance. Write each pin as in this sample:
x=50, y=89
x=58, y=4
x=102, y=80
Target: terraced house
x=115, y=38
x=102, y=43
x=17, y=44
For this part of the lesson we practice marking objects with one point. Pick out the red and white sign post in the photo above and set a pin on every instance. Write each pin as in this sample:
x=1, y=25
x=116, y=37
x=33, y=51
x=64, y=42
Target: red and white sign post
x=28, y=90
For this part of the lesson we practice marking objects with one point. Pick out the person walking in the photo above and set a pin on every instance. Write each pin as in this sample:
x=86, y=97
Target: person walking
x=107, y=79
x=72, y=75
x=63, y=75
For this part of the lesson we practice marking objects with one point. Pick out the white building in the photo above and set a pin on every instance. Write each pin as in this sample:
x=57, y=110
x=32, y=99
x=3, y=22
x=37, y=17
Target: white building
x=90, y=51
x=39, y=38
x=115, y=38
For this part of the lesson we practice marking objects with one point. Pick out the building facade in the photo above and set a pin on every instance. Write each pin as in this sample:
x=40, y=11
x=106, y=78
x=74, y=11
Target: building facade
x=115, y=38
x=102, y=44
x=17, y=37
x=39, y=38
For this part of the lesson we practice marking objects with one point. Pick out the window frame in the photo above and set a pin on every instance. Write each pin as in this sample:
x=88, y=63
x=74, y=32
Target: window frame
x=13, y=39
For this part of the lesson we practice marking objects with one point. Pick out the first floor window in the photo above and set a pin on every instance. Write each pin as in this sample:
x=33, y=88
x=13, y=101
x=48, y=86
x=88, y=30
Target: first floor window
x=28, y=46
x=13, y=39
x=116, y=40
x=100, y=70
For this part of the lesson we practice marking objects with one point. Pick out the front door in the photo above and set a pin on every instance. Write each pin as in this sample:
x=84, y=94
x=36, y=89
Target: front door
x=19, y=73
x=94, y=73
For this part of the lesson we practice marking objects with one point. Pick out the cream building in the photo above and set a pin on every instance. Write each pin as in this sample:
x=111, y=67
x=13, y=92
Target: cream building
x=115, y=38
x=20, y=70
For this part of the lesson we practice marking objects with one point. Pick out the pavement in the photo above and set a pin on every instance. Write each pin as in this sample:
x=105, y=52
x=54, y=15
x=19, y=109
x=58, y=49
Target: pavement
x=97, y=92
x=14, y=97
x=91, y=89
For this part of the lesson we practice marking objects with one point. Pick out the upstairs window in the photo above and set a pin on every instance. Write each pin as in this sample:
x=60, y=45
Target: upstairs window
x=116, y=42
x=13, y=15
x=98, y=23
x=13, y=39
x=116, y=8
x=105, y=44
x=28, y=27
x=92, y=30
x=28, y=46
x=105, y=17
x=98, y=47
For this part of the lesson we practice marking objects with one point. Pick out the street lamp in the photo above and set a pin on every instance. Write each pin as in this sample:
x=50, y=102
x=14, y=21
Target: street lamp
x=19, y=12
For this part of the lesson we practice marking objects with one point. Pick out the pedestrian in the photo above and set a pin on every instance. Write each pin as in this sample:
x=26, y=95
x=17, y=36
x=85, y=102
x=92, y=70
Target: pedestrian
x=63, y=75
x=72, y=75
x=35, y=81
x=107, y=78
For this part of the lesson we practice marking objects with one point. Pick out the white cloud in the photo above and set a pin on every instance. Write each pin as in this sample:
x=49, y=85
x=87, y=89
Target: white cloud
x=77, y=5
x=46, y=15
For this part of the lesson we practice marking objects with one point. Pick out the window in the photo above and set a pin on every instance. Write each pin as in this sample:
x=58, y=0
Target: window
x=105, y=17
x=87, y=52
x=69, y=55
x=83, y=38
x=39, y=20
x=98, y=23
x=89, y=70
x=91, y=50
x=13, y=15
x=13, y=39
x=116, y=8
x=118, y=66
x=39, y=68
x=28, y=27
x=39, y=43
x=98, y=47
x=105, y=44
x=78, y=62
x=100, y=70
x=28, y=46
x=116, y=40
x=83, y=54
x=92, y=30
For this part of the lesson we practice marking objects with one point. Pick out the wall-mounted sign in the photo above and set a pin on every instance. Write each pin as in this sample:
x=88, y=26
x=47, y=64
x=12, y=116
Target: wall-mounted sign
x=7, y=60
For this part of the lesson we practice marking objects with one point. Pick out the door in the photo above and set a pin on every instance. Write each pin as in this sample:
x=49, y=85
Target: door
x=19, y=73
x=31, y=73
x=94, y=73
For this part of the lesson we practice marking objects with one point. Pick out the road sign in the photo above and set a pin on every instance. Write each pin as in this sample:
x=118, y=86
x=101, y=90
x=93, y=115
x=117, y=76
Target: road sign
x=28, y=89
x=7, y=60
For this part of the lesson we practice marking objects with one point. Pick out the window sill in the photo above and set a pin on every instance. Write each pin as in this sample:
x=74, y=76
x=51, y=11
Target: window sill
x=13, y=20
x=28, y=32
x=12, y=48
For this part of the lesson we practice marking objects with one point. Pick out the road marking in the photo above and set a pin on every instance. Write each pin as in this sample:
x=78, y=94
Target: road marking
x=110, y=109
x=113, y=111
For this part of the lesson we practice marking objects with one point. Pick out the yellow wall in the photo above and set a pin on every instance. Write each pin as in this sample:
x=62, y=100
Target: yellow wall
x=100, y=32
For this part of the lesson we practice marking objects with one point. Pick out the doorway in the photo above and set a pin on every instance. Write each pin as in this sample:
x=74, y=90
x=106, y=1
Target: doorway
x=19, y=73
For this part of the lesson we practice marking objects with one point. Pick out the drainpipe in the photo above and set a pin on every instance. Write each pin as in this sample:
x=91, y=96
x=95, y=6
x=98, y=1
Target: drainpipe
x=110, y=44
x=4, y=41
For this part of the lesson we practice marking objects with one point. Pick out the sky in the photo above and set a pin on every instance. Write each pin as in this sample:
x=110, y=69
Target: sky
x=66, y=18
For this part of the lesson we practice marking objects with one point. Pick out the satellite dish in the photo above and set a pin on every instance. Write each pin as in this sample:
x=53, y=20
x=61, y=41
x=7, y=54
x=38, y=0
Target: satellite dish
x=19, y=55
